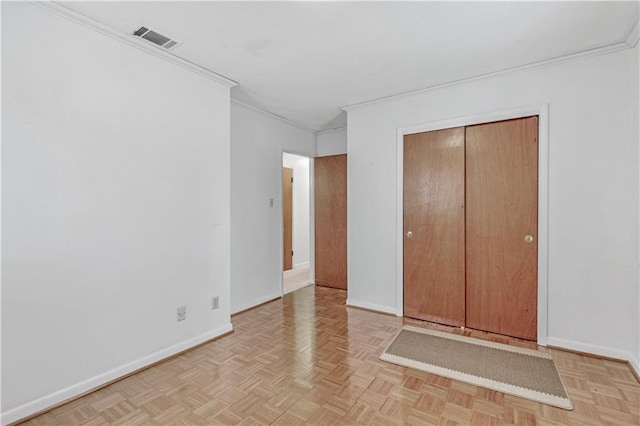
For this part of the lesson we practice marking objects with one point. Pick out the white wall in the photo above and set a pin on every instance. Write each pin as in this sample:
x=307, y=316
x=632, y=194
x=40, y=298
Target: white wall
x=332, y=142
x=593, y=191
x=115, y=208
x=300, y=221
x=636, y=361
x=257, y=144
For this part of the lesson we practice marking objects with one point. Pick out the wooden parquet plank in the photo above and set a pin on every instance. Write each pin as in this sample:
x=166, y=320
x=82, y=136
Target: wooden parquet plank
x=96, y=421
x=226, y=418
x=383, y=420
x=360, y=413
x=210, y=409
x=483, y=419
x=303, y=409
x=553, y=414
x=520, y=417
x=420, y=418
x=135, y=417
x=429, y=405
x=457, y=413
x=492, y=409
x=289, y=419
x=308, y=359
x=326, y=415
x=396, y=408
x=119, y=410
x=267, y=414
x=372, y=399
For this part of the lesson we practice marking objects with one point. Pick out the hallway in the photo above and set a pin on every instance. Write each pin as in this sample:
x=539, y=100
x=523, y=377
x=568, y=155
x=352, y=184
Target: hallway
x=295, y=279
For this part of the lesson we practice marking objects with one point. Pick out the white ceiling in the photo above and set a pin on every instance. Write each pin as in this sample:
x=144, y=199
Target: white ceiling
x=305, y=60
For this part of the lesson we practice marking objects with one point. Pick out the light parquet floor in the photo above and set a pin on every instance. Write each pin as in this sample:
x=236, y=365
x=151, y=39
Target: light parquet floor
x=308, y=359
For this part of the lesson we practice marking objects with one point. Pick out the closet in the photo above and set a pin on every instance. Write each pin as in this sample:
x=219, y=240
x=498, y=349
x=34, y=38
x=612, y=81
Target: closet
x=470, y=226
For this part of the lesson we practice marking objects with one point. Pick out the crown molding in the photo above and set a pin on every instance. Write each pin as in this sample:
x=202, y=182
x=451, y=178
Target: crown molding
x=566, y=58
x=272, y=115
x=632, y=39
x=334, y=129
x=131, y=41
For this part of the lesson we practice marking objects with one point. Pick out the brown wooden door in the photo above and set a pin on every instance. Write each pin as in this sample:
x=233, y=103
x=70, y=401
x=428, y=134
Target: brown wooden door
x=434, y=274
x=330, y=177
x=501, y=227
x=287, y=215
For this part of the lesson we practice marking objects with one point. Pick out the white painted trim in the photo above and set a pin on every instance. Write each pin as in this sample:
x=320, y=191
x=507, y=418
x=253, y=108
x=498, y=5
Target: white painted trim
x=303, y=264
x=132, y=41
x=276, y=116
x=371, y=306
x=634, y=34
x=312, y=225
x=633, y=361
x=574, y=56
x=543, y=224
x=335, y=129
x=280, y=215
x=256, y=302
x=542, y=111
x=588, y=348
x=57, y=397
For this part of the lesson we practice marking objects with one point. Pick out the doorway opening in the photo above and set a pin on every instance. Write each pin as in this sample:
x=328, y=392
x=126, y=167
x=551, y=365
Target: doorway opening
x=296, y=222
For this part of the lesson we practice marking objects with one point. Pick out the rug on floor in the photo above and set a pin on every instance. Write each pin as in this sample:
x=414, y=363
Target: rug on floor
x=516, y=371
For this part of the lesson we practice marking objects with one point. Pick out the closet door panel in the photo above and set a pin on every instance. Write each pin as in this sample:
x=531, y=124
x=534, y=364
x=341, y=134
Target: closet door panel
x=434, y=287
x=501, y=227
x=330, y=177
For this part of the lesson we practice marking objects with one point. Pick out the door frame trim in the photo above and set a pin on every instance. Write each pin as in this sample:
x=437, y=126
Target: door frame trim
x=542, y=111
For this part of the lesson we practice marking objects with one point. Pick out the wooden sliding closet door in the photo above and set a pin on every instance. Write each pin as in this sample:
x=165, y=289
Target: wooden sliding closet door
x=501, y=224
x=434, y=274
x=330, y=177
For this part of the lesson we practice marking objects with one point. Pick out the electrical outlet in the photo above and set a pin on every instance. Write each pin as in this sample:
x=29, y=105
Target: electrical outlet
x=182, y=313
x=214, y=302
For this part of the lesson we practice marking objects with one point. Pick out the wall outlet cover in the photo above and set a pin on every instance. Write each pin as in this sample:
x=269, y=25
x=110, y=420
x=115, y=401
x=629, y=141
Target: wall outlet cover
x=182, y=313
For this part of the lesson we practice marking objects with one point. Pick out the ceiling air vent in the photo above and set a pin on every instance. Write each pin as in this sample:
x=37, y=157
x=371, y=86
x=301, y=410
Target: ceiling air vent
x=155, y=38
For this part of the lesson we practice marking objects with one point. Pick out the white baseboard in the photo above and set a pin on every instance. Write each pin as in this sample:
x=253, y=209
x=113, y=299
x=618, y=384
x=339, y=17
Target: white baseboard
x=57, y=397
x=372, y=306
x=249, y=305
x=301, y=265
x=588, y=348
x=635, y=364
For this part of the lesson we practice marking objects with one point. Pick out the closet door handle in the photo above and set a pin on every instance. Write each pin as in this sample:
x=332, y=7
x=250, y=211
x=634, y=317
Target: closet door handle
x=409, y=234
x=528, y=238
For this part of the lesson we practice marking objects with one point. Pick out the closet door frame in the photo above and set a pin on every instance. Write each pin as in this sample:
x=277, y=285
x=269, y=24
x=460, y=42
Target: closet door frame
x=542, y=111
